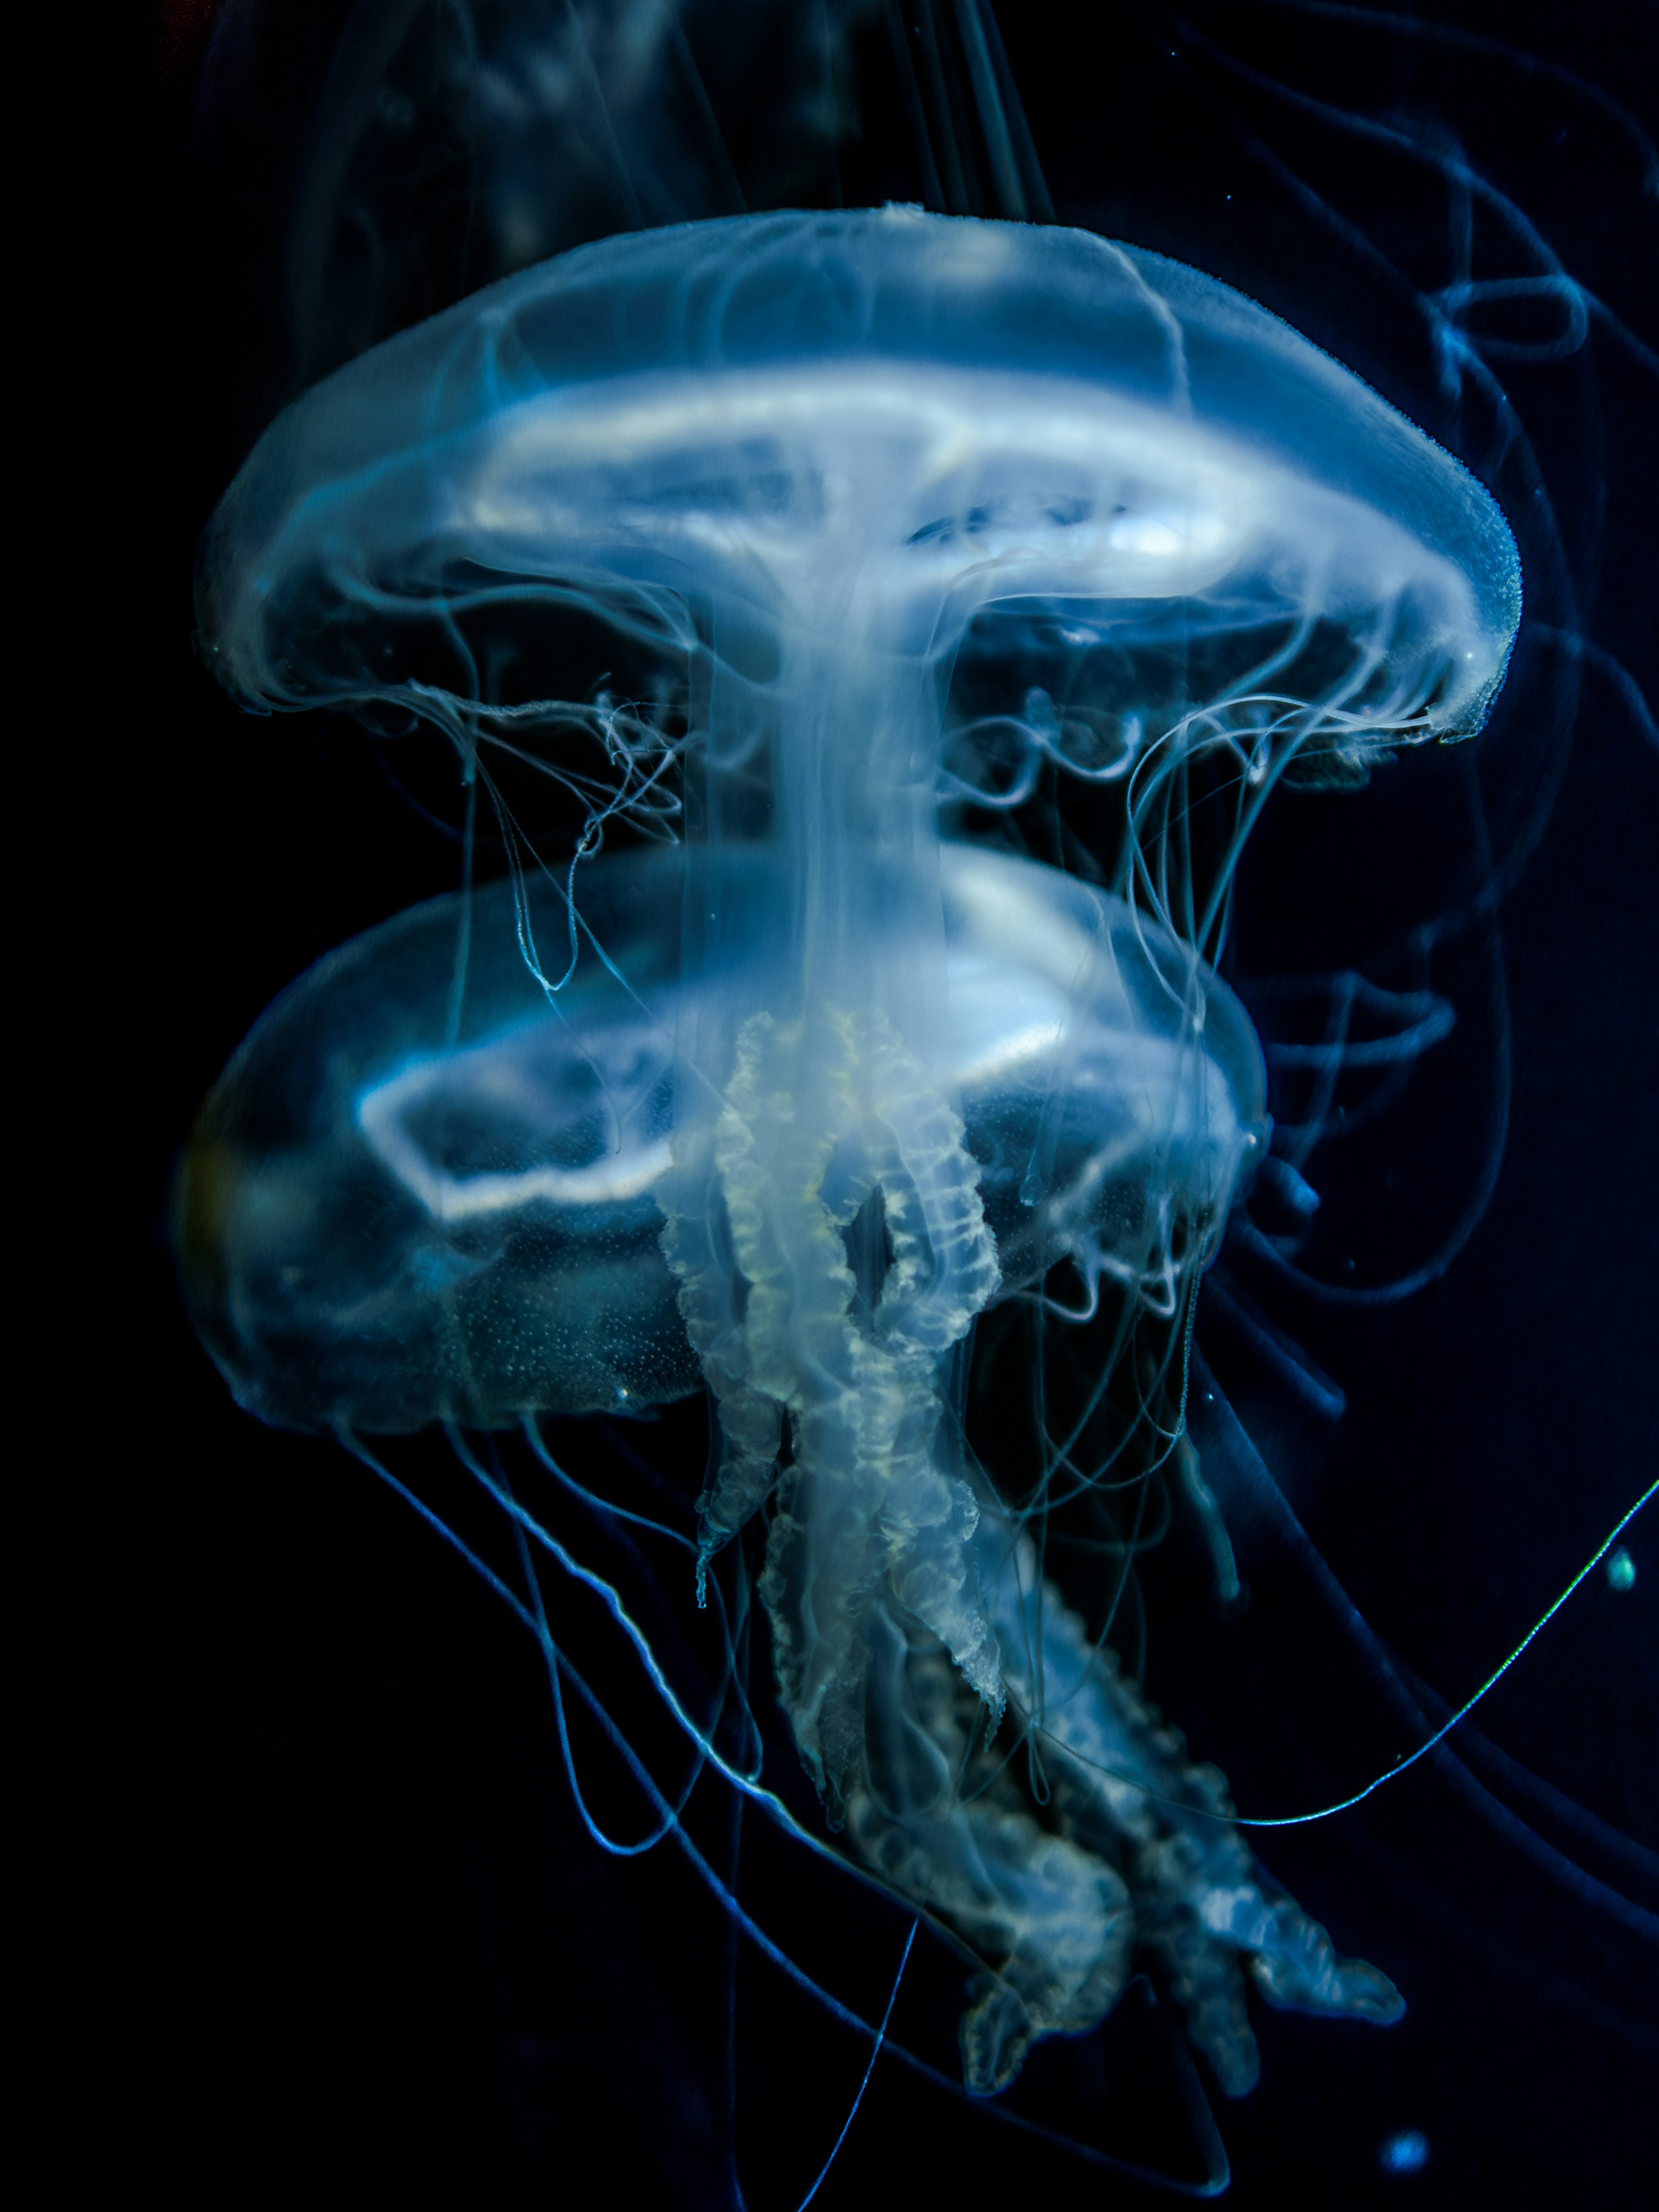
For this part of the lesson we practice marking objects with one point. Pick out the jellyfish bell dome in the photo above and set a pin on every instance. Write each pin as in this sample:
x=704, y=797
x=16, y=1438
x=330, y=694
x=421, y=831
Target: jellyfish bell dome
x=866, y=423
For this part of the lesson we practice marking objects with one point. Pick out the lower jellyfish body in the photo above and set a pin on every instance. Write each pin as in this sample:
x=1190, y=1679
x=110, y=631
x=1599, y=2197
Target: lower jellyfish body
x=428, y=1192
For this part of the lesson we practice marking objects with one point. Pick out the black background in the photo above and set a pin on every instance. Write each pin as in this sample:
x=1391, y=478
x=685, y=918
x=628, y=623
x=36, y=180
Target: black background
x=349, y=1935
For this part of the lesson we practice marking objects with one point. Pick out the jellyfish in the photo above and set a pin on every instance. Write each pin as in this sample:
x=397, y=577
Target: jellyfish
x=835, y=1085
x=992, y=756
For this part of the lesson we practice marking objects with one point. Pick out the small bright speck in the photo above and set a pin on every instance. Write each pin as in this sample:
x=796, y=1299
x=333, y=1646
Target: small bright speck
x=1621, y=1569
x=1406, y=2153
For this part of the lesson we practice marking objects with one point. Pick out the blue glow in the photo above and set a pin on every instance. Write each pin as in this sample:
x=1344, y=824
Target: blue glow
x=816, y=560
x=814, y=1088
x=1406, y=2153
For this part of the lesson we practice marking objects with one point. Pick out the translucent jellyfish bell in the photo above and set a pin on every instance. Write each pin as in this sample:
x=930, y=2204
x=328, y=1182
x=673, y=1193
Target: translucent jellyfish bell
x=385, y=1223
x=817, y=1087
x=869, y=422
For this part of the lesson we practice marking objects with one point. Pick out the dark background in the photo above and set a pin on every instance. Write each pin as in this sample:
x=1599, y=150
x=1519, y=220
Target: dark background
x=350, y=1936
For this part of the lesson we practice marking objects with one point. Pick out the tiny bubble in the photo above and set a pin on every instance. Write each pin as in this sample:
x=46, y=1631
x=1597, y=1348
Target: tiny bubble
x=1405, y=2152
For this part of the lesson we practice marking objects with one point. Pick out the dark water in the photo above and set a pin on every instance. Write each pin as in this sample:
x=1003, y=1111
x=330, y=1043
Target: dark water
x=401, y=1964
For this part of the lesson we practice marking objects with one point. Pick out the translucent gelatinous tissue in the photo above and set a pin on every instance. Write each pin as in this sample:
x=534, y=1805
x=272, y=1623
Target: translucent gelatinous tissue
x=781, y=1103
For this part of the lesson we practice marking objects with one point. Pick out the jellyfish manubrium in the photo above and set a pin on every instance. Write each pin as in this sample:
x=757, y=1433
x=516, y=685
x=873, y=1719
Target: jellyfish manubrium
x=779, y=1103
